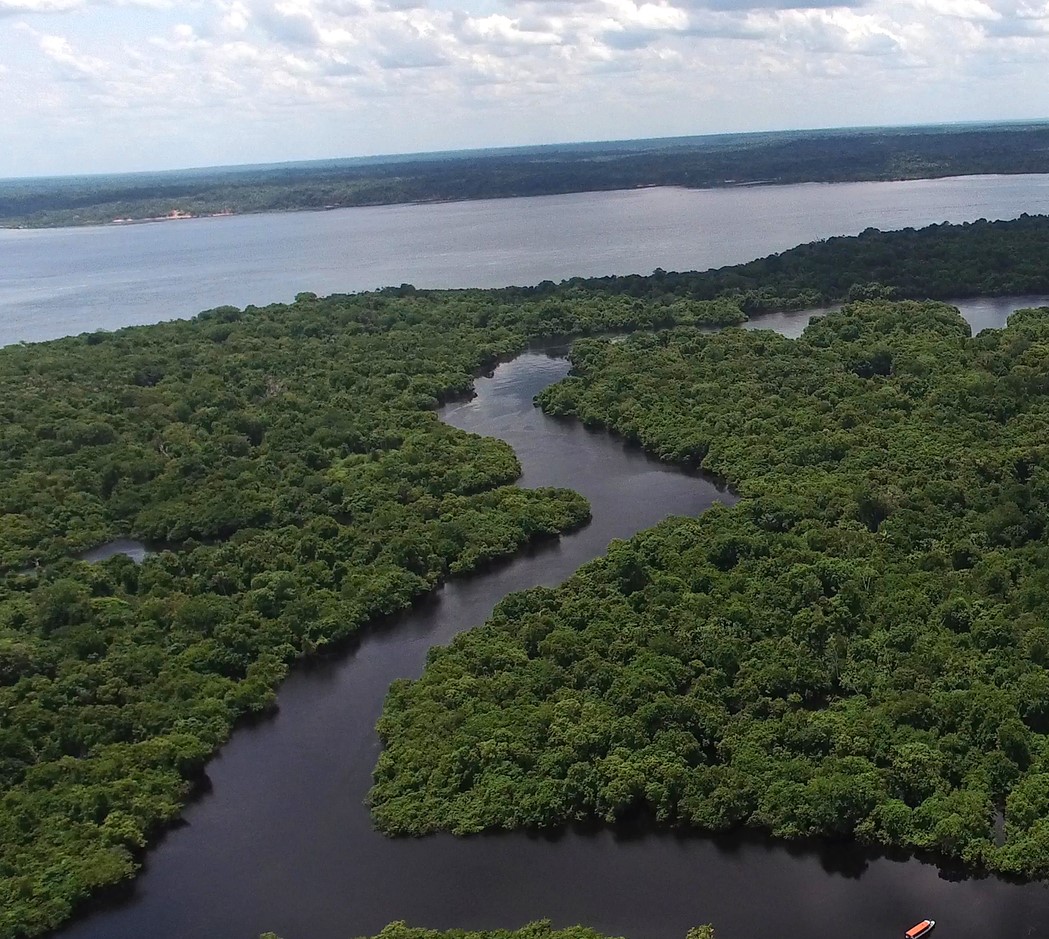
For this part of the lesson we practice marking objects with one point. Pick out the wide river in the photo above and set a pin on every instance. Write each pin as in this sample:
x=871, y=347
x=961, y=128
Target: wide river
x=282, y=839
x=62, y=281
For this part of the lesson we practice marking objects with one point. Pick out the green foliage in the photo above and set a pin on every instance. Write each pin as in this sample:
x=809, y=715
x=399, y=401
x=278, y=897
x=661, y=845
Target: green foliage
x=700, y=932
x=288, y=462
x=858, y=648
x=287, y=465
x=940, y=262
x=538, y=930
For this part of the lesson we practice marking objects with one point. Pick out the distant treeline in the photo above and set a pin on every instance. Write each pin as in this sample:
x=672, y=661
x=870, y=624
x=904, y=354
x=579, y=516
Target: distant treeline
x=695, y=162
x=937, y=262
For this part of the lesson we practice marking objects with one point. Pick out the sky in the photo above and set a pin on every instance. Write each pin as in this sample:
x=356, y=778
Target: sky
x=90, y=86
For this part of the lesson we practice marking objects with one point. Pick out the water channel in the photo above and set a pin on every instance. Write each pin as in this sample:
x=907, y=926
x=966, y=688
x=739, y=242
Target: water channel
x=282, y=840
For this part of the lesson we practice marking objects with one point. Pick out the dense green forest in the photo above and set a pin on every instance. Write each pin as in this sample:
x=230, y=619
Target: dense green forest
x=291, y=460
x=937, y=262
x=287, y=466
x=858, y=648
x=695, y=162
x=539, y=930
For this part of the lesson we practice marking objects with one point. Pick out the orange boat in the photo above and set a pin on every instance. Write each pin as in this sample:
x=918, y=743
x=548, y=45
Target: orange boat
x=922, y=929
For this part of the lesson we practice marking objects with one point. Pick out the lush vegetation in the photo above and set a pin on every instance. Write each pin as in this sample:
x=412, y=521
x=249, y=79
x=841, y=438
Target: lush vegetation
x=287, y=465
x=698, y=162
x=937, y=262
x=858, y=648
x=290, y=459
x=538, y=930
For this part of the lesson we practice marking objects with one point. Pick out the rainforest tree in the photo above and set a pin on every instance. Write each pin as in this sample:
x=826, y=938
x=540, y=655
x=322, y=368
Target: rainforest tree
x=537, y=930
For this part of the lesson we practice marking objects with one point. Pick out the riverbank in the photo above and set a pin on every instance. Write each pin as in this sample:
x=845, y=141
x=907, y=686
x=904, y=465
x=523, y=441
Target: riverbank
x=722, y=161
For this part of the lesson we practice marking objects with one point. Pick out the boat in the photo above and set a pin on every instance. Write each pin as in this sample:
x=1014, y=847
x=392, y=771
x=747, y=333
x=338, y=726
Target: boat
x=922, y=929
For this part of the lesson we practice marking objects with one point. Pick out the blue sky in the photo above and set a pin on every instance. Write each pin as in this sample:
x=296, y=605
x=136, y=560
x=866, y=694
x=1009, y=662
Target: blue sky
x=93, y=86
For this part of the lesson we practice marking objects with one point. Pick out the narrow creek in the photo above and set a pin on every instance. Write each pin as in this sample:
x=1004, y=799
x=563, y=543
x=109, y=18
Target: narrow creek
x=282, y=840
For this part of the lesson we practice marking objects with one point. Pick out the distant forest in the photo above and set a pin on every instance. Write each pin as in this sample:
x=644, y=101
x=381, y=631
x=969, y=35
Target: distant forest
x=694, y=162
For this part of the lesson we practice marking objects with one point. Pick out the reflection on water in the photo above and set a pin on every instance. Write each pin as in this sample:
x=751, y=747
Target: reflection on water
x=992, y=312
x=791, y=323
x=980, y=312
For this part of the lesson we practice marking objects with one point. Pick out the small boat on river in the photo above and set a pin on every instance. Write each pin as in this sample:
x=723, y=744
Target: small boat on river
x=922, y=929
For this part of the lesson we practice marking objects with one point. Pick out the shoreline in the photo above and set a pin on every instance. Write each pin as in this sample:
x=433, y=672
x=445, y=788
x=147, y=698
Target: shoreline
x=179, y=215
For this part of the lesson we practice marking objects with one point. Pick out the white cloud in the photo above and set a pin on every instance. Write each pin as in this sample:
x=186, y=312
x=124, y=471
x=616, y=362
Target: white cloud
x=329, y=77
x=836, y=32
x=11, y=7
x=962, y=9
x=501, y=30
x=16, y=7
x=70, y=63
x=235, y=17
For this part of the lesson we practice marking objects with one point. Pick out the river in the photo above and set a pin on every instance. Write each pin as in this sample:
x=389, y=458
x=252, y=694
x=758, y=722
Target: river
x=282, y=840
x=57, y=282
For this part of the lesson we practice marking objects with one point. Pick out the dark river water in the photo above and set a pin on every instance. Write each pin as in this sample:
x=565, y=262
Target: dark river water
x=62, y=281
x=283, y=842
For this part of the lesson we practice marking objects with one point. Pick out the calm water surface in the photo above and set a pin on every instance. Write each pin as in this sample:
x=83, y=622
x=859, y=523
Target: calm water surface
x=981, y=313
x=283, y=840
x=62, y=281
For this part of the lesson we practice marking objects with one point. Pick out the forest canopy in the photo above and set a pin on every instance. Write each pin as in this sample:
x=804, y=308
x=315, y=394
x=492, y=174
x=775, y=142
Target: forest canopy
x=287, y=469
x=858, y=648
x=938, y=262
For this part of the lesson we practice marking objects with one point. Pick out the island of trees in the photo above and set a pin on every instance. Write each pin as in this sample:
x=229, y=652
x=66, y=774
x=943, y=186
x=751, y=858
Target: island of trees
x=694, y=162
x=871, y=614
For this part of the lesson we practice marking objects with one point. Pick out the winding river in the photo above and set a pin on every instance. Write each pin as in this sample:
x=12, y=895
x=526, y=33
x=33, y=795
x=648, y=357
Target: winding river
x=282, y=840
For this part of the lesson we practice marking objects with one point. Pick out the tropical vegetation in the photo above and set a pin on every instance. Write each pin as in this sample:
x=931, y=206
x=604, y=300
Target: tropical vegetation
x=538, y=930
x=857, y=649
x=287, y=469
